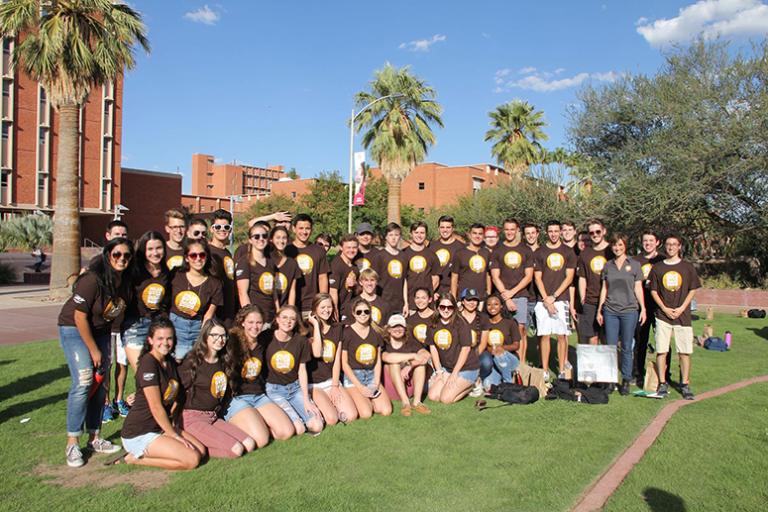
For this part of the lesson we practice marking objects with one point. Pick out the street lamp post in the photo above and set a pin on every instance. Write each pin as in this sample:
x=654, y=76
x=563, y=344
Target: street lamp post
x=352, y=119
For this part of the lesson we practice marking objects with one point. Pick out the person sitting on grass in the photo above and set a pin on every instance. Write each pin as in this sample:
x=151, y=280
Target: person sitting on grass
x=148, y=434
x=207, y=374
x=498, y=343
x=453, y=358
x=361, y=346
x=406, y=360
x=251, y=409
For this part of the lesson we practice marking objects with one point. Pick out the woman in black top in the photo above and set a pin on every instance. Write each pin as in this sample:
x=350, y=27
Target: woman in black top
x=99, y=297
x=288, y=271
x=148, y=434
x=255, y=273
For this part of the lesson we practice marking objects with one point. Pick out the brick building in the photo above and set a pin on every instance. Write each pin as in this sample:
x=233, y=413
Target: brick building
x=222, y=180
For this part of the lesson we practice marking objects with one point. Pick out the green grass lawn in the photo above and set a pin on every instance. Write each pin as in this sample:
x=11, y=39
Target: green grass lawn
x=537, y=457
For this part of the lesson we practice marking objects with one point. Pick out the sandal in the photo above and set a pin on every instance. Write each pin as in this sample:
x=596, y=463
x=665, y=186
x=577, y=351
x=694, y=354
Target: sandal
x=119, y=459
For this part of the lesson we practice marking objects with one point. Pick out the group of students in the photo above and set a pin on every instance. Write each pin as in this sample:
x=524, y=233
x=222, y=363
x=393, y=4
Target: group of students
x=232, y=350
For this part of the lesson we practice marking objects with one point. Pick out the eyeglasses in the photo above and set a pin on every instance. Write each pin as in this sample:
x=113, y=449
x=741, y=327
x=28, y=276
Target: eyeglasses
x=222, y=227
x=197, y=233
x=445, y=307
x=197, y=255
x=182, y=226
x=117, y=255
x=259, y=236
x=217, y=336
x=598, y=232
x=362, y=312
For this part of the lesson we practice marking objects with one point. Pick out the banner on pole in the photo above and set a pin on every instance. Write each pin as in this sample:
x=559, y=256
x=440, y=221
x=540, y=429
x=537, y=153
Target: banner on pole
x=359, y=197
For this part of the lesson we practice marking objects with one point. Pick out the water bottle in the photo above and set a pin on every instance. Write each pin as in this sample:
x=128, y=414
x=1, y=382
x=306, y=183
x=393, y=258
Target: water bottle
x=728, y=339
x=98, y=378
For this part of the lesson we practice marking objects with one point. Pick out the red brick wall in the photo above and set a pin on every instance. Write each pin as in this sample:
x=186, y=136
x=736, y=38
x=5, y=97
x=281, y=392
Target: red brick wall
x=148, y=195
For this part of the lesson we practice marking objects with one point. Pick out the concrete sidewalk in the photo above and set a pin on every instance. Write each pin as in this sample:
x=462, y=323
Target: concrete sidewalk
x=26, y=314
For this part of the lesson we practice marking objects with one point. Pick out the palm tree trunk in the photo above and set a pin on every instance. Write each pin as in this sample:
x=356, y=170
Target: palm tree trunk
x=393, y=199
x=66, y=229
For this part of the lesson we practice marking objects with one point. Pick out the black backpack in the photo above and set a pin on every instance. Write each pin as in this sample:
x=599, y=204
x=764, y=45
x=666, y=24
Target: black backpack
x=595, y=394
x=513, y=393
x=756, y=313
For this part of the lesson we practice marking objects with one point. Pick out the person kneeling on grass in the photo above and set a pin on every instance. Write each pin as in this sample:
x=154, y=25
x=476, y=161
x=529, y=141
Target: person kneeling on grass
x=207, y=374
x=288, y=352
x=456, y=363
x=148, y=434
x=361, y=348
x=405, y=359
x=498, y=342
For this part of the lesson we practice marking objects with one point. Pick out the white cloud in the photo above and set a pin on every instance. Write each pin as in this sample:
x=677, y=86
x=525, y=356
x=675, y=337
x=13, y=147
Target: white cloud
x=204, y=15
x=422, y=45
x=707, y=18
x=544, y=81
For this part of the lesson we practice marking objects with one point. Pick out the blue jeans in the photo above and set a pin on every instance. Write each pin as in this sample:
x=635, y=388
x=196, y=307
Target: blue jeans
x=135, y=332
x=187, y=332
x=622, y=325
x=497, y=369
x=80, y=408
x=290, y=399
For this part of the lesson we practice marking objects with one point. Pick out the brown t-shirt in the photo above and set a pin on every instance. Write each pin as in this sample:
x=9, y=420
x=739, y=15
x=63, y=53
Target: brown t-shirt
x=380, y=311
x=361, y=353
x=476, y=326
x=409, y=346
x=251, y=372
x=421, y=266
x=417, y=327
x=261, y=283
x=150, y=372
x=512, y=263
x=287, y=274
x=87, y=298
x=340, y=270
x=444, y=255
x=590, y=266
x=365, y=260
x=472, y=269
x=284, y=358
x=193, y=301
x=503, y=332
x=449, y=340
x=321, y=368
x=312, y=261
x=645, y=265
x=223, y=267
x=174, y=258
x=672, y=283
x=391, y=270
x=152, y=294
x=209, y=389
x=552, y=263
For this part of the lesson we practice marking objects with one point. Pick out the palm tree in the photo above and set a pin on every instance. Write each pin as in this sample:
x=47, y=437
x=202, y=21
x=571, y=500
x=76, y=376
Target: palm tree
x=70, y=47
x=399, y=131
x=516, y=129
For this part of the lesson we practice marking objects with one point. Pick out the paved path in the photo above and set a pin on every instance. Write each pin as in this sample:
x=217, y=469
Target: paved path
x=598, y=494
x=26, y=314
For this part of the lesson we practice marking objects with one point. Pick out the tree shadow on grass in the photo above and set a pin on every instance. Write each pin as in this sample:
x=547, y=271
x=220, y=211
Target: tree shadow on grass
x=762, y=331
x=662, y=501
x=33, y=382
x=24, y=408
x=7, y=361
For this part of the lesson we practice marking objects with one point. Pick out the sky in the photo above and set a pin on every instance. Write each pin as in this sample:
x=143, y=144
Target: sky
x=273, y=82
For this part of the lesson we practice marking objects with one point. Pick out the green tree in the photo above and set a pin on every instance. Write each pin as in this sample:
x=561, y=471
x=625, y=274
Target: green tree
x=517, y=132
x=271, y=204
x=327, y=204
x=398, y=129
x=26, y=232
x=70, y=47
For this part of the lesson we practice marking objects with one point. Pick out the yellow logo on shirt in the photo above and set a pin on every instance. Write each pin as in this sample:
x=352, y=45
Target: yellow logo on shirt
x=395, y=269
x=477, y=263
x=113, y=308
x=513, y=259
x=251, y=369
x=305, y=263
x=443, y=339
x=474, y=337
x=174, y=261
x=229, y=267
x=171, y=392
x=597, y=264
x=266, y=283
x=329, y=351
x=152, y=296
x=363, y=263
x=282, y=361
x=218, y=384
x=646, y=270
x=418, y=264
x=188, y=302
x=555, y=261
x=672, y=281
x=376, y=314
x=420, y=332
x=444, y=255
x=495, y=337
x=281, y=282
x=366, y=354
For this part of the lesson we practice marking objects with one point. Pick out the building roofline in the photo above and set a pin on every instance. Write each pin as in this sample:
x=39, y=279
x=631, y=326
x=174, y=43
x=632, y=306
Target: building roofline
x=162, y=174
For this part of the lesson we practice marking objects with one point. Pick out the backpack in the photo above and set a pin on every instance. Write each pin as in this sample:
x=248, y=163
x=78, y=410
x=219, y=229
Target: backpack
x=756, y=313
x=716, y=344
x=595, y=394
x=513, y=393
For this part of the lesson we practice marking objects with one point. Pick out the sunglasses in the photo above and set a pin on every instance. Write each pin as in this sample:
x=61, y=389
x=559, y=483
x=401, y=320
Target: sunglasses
x=197, y=255
x=259, y=236
x=222, y=227
x=445, y=307
x=598, y=232
x=117, y=255
x=197, y=233
x=363, y=312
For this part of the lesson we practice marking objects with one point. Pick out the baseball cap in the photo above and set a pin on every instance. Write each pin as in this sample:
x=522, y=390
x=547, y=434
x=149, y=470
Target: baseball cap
x=396, y=320
x=364, y=227
x=469, y=294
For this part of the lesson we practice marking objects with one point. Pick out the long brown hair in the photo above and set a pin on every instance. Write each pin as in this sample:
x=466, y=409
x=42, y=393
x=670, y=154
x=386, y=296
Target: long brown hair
x=238, y=338
x=300, y=328
x=200, y=349
x=437, y=318
x=320, y=297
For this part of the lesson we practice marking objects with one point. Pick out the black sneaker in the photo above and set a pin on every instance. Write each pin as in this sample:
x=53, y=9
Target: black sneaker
x=663, y=390
x=624, y=389
x=686, y=392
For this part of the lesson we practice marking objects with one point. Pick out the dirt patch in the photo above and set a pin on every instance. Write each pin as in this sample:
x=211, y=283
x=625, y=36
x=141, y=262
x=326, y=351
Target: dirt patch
x=94, y=473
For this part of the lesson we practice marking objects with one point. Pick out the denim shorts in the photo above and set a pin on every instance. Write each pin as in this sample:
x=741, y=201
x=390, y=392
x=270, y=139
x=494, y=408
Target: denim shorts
x=364, y=376
x=241, y=402
x=137, y=446
x=186, y=334
x=136, y=332
x=325, y=385
x=468, y=375
x=288, y=397
x=521, y=314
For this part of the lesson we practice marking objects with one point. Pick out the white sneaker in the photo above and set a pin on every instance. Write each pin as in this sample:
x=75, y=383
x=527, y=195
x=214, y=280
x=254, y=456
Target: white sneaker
x=74, y=456
x=100, y=445
x=477, y=391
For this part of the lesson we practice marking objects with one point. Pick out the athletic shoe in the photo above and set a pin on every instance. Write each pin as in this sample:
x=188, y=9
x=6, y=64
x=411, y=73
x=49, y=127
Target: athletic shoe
x=547, y=376
x=74, y=456
x=624, y=389
x=568, y=366
x=405, y=410
x=422, y=409
x=100, y=445
x=122, y=408
x=663, y=390
x=477, y=391
x=562, y=376
x=108, y=414
x=686, y=392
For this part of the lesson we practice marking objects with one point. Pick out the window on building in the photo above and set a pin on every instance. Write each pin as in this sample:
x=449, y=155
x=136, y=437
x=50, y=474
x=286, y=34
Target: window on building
x=293, y=195
x=5, y=145
x=105, y=190
x=42, y=162
x=477, y=184
x=5, y=189
x=43, y=108
x=42, y=188
x=7, y=98
x=7, y=42
x=106, y=160
x=421, y=185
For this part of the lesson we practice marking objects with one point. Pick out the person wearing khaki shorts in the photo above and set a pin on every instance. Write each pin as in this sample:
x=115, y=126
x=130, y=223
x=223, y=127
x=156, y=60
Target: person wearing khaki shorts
x=673, y=285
